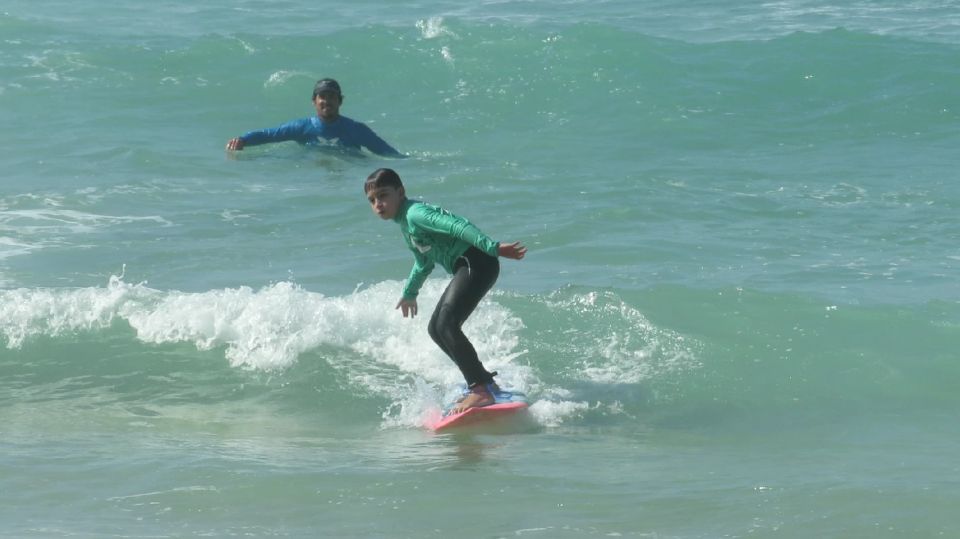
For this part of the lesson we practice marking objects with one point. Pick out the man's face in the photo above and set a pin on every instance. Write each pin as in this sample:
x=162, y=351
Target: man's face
x=328, y=105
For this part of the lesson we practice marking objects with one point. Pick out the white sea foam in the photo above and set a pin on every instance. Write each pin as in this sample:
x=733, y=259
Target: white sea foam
x=624, y=347
x=279, y=78
x=54, y=220
x=10, y=247
x=271, y=328
x=551, y=413
x=433, y=28
x=27, y=313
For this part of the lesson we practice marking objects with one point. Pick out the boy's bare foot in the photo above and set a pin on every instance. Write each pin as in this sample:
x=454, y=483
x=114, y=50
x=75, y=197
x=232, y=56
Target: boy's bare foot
x=478, y=396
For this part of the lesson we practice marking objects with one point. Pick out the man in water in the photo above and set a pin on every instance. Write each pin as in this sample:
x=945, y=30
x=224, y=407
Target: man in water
x=327, y=125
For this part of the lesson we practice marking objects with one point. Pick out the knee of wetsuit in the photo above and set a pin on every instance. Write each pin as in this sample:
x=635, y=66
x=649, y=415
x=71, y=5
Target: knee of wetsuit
x=443, y=318
x=433, y=329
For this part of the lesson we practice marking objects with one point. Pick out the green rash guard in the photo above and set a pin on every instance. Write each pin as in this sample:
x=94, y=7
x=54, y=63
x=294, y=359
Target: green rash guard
x=436, y=236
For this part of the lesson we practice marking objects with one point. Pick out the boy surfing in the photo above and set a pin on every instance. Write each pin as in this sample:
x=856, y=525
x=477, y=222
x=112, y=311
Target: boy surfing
x=436, y=236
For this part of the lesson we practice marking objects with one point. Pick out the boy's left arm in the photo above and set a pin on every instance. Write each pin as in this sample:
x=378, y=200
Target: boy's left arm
x=458, y=227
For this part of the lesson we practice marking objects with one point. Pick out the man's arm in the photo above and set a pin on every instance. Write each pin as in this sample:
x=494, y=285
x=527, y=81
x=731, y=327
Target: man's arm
x=289, y=131
x=375, y=144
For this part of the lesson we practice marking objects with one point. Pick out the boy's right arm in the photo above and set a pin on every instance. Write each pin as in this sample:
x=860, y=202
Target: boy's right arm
x=422, y=267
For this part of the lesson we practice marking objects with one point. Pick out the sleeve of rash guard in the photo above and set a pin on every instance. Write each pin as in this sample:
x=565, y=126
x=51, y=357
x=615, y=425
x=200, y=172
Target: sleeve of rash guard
x=375, y=144
x=422, y=267
x=293, y=130
x=440, y=221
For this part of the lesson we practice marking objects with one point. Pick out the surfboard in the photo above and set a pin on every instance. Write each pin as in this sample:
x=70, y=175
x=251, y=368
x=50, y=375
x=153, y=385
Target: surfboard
x=506, y=403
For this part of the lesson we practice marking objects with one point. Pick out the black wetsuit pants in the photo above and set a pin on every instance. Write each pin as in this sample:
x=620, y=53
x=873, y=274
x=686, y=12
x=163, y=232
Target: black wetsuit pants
x=474, y=274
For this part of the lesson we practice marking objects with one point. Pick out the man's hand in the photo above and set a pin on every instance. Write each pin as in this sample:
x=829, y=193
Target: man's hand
x=235, y=144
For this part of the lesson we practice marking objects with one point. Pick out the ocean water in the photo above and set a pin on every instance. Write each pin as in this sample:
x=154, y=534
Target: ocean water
x=738, y=317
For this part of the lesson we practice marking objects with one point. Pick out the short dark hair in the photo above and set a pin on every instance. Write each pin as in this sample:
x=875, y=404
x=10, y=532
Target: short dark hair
x=382, y=177
x=326, y=85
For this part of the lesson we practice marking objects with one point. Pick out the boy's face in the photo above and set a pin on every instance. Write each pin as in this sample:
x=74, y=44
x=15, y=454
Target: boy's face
x=328, y=105
x=385, y=201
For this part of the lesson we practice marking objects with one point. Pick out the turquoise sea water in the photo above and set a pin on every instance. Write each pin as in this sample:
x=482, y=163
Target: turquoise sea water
x=738, y=317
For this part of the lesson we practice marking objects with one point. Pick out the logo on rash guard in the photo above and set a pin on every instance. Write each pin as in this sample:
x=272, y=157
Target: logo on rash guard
x=420, y=247
x=319, y=140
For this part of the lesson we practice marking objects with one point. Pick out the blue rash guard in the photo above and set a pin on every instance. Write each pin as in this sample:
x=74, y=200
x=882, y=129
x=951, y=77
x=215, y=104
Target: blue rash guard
x=436, y=236
x=343, y=131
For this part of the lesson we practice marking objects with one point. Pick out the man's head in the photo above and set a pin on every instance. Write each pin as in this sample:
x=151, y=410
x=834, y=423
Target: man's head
x=327, y=86
x=327, y=98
